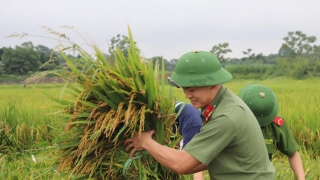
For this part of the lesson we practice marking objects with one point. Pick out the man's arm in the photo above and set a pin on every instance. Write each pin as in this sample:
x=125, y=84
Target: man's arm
x=296, y=165
x=179, y=161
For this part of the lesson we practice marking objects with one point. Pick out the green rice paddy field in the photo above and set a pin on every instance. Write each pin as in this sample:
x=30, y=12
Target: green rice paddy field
x=27, y=116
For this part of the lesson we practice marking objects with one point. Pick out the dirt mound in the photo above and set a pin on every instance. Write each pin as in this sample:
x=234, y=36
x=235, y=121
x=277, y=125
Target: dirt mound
x=46, y=80
x=49, y=80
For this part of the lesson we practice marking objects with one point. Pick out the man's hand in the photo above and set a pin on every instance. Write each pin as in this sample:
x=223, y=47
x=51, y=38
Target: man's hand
x=136, y=143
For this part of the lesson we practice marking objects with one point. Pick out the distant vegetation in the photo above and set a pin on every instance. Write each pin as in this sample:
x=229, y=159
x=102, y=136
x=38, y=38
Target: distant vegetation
x=298, y=57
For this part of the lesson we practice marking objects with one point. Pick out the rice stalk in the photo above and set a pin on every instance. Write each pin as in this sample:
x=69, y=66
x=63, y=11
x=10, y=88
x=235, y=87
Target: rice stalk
x=110, y=102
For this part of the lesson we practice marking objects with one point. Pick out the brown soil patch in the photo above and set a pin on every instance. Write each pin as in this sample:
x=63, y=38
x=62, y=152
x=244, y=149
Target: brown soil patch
x=46, y=80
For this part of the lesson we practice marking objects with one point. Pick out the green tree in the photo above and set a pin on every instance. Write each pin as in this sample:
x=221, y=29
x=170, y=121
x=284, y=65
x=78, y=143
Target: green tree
x=1, y=68
x=248, y=54
x=298, y=55
x=1, y=64
x=1, y=52
x=253, y=58
x=27, y=45
x=173, y=63
x=158, y=59
x=317, y=51
x=49, y=59
x=122, y=42
x=297, y=44
x=109, y=58
x=21, y=60
x=220, y=51
x=44, y=53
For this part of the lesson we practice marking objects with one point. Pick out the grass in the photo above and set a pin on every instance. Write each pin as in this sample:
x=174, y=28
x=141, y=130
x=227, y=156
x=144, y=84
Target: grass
x=298, y=104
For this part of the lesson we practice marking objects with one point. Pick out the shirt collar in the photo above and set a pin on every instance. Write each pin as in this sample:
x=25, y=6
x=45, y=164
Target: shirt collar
x=207, y=111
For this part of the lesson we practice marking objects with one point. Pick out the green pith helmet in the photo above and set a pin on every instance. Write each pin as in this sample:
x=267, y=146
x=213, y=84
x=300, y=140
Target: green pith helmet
x=262, y=102
x=198, y=68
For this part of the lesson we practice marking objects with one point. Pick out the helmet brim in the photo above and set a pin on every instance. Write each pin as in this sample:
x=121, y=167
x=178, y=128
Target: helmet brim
x=220, y=76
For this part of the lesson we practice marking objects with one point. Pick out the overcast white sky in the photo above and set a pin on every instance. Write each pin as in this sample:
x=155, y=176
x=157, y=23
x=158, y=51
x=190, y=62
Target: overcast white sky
x=167, y=28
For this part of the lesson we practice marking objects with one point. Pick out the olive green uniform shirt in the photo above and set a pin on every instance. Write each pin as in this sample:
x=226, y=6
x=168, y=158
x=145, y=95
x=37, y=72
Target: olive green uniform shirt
x=231, y=143
x=279, y=137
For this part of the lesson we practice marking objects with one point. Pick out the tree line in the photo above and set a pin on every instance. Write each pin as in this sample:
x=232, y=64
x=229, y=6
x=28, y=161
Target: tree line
x=27, y=59
x=298, y=57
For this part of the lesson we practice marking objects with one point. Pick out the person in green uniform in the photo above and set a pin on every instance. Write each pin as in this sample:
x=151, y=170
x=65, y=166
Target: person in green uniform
x=230, y=144
x=264, y=104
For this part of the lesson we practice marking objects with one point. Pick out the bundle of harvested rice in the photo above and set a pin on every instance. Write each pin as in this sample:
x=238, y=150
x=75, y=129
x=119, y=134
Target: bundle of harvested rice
x=111, y=102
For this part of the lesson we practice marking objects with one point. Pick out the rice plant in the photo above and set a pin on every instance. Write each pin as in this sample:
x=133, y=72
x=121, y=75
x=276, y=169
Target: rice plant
x=21, y=166
x=110, y=102
x=21, y=127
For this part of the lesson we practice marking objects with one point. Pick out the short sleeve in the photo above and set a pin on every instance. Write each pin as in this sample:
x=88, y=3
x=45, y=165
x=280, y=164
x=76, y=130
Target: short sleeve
x=286, y=142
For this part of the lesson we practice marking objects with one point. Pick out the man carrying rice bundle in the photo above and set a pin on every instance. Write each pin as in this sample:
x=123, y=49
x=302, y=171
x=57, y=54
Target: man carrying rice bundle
x=230, y=144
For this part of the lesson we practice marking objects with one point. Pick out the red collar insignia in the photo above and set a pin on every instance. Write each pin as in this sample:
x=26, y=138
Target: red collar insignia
x=279, y=121
x=208, y=112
